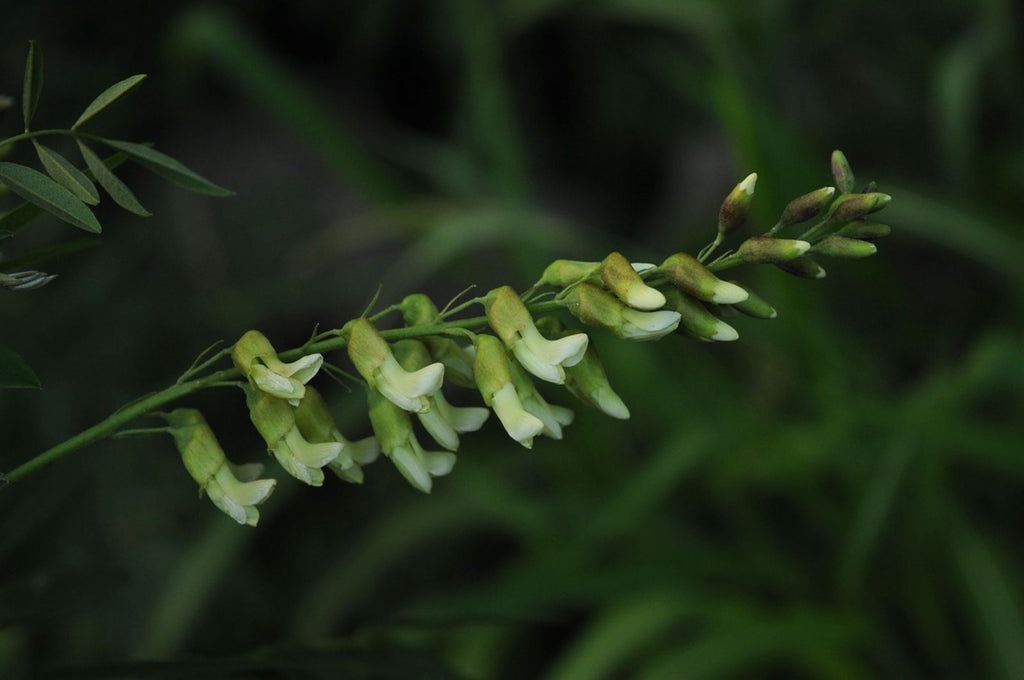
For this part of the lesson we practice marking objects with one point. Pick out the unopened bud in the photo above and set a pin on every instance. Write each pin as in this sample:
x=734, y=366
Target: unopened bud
x=621, y=279
x=694, y=278
x=804, y=267
x=562, y=273
x=595, y=307
x=855, y=206
x=587, y=380
x=756, y=306
x=762, y=249
x=803, y=208
x=864, y=230
x=736, y=206
x=840, y=246
x=698, y=321
x=842, y=173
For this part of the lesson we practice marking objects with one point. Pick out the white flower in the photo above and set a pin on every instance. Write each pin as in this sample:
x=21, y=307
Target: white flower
x=408, y=389
x=518, y=422
x=255, y=357
x=419, y=467
x=444, y=422
x=303, y=460
x=545, y=358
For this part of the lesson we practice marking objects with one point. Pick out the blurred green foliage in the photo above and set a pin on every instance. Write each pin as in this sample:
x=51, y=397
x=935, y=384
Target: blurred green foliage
x=836, y=495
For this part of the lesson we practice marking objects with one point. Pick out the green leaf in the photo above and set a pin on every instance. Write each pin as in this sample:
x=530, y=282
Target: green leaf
x=117, y=189
x=33, y=82
x=14, y=372
x=167, y=167
x=37, y=188
x=108, y=97
x=67, y=175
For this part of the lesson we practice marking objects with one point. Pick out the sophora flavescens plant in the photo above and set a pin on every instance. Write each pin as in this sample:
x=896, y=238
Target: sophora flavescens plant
x=408, y=356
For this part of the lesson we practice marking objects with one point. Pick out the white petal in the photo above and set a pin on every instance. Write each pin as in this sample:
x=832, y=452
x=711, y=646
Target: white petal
x=312, y=455
x=225, y=503
x=645, y=297
x=402, y=400
x=462, y=419
x=412, y=468
x=363, y=451
x=244, y=493
x=276, y=385
x=308, y=475
x=566, y=351
x=610, y=403
x=302, y=369
x=439, y=463
x=649, y=325
x=414, y=384
x=724, y=332
x=642, y=267
x=552, y=373
x=246, y=472
x=727, y=293
x=519, y=424
x=440, y=429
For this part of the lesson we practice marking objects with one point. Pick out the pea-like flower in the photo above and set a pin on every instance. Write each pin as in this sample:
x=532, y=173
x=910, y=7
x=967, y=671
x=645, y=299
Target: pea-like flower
x=255, y=357
x=493, y=372
x=317, y=426
x=443, y=421
x=275, y=421
x=377, y=364
x=596, y=307
x=234, y=489
x=544, y=358
x=622, y=279
x=552, y=416
x=398, y=442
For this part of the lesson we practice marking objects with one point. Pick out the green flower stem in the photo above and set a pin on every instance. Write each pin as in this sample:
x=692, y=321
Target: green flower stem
x=113, y=423
x=46, y=133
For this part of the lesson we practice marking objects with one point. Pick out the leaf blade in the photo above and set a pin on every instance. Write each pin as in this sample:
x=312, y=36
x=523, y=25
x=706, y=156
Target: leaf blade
x=108, y=97
x=33, y=83
x=40, y=190
x=110, y=182
x=63, y=172
x=15, y=372
x=167, y=167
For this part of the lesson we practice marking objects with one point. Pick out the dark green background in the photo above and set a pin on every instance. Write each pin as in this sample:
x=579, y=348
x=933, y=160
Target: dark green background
x=836, y=495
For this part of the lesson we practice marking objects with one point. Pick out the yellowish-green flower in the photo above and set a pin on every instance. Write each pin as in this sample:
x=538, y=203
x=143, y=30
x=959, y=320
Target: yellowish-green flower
x=255, y=357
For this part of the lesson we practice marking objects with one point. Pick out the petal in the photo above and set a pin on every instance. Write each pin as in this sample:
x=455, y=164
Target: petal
x=244, y=493
x=412, y=467
x=726, y=293
x=312, y=455
x=439, y=428
x=610, y=403
x=528, y=359
x=302, y=369
x=311, y=476
x=363, y=451
x=462, y=419
x=567, y=351
x=519, y=424
x=439, y=463
x=645, y=298
x=276, y=385
x=413, y=384
x=643, y=267
x=648, y=325
x=225, y=503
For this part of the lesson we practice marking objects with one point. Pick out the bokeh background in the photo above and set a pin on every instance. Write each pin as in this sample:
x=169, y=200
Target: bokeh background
x=839, y=494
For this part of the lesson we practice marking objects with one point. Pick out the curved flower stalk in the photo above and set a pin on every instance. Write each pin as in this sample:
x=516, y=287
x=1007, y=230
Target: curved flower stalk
x=255, y=357
x=234, y=489
x=316, y=425
x=275, y=421
x=516, y=340
x=374, y=360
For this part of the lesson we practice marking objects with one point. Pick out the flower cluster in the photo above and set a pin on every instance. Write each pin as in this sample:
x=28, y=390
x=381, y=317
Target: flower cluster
x=502, y=355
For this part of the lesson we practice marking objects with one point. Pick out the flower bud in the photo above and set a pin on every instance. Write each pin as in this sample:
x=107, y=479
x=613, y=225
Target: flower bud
x=762, y=249
x=840, y=246
x=756, y=306
x=692, y=277
x=493, y=372
x=736, y=207
x=317, y=426
x=234, y=489
x=275, y=421
x=698, y=321
x=595, y=307
x=397, y=440
x=563, y=273
x=443, y=421
x=544, y=358
x=804, y=267
x=373, y=359
x=864, y=230
x=855, y=206
x=842, y=173
x=255, y=357
x=803, y=208
x=620, y=278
